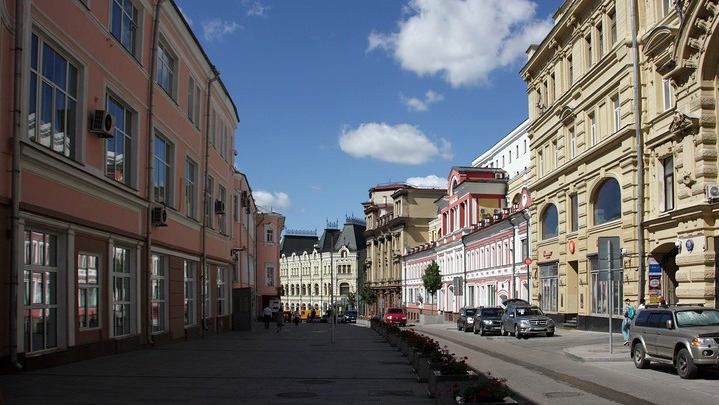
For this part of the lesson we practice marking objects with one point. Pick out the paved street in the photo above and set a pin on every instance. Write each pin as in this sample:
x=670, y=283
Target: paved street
x=297, y=366
x=575, y=367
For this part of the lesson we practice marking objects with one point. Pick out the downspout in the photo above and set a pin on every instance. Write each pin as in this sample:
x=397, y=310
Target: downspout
x=203, y=240
x=527, y=217
x=513, y=251
x=148, y=222
x=640, y=148
x=21, y=14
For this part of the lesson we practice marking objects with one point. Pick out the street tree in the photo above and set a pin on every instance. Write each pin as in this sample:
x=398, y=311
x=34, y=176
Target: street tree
x=431, y=278
x=368, y=295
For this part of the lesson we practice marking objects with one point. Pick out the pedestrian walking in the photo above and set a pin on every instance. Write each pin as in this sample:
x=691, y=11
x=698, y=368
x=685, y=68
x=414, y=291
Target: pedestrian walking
x=280, y=321
x=642, y=304
x=296, y=317
x=267, y=316
x=663, y=303
x=629, y=313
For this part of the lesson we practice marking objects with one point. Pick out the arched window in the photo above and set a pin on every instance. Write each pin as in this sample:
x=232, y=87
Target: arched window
x=607, y=202
x=550, y=222
x=344, y=289
x=343, y=253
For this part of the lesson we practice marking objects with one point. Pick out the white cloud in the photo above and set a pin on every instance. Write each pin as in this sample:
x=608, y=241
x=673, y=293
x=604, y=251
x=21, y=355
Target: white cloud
x=184, y=15
x=216, y=28
x=430, y=181
x=416, y=104
x=462, y=40
x=269, y=200
x=402, y=143
x=257, y=9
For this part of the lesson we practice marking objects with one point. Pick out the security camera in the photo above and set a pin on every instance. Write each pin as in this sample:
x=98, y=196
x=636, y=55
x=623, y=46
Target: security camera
x=678, y=243
x=623, y=251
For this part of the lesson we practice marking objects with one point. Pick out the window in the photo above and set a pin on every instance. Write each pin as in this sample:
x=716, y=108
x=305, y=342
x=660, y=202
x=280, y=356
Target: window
x=541, y=163
x=88, y=291
x=53, y=98
x=190, y=188
x=600, y=286
x=235, y=207
x=572, y=143
x=600, y=40
x=613, y=27
x=503, y=162
x=166, y=69
x=221, y=292
x=207, y=309
x=574, y=212
x=193, y=101
x=270, y=277
x=491, y=295
x=607, y=202
x=222, y=218
x=555, y=155
x=588, y=42
x=666, y=7
x=158, y=280
x=118, y=149
x=509, y=157
x=213, y=127
x=209, y=192
x=516, y=155
x=617, y=113
x=525, y=248
x=570, y=69
x=190, y=292
x=162, y=171
x=592, y=129
x=40, y=273
x=121, y=292
x=123, y=23
x=549, y=277
x=270, y=234
x=550, y=222
x=668, y=166
x=667, y=86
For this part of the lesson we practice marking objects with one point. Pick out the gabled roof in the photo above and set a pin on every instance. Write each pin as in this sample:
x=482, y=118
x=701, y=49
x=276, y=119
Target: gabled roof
x=297, y=244
x=352, y=236
x=329, y=236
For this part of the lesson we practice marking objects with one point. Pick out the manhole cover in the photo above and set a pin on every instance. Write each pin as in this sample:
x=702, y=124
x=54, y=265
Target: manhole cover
x=394, y=363
x=297, y=395
x=316, y=382
x=389, y=393
x=562, y=394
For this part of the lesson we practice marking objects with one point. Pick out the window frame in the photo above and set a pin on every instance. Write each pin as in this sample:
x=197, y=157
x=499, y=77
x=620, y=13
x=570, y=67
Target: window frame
x=46, y=269
x=136, y=19
x=83, y=288
x=595, y=202
x=221, y=283
x=549, y=286
x=190, y=301
x=543, y=220
x=171, y=65
x=128, y=135
x=617, y=108
x=131, y=293
x=222, y=218
x=168, y=162
x=209, y=201
x=667, y=94
x=668, y=189
x=161, y=300
x=191, y=167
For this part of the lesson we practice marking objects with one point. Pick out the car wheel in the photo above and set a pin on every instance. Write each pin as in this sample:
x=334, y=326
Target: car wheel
x=503, y=332
x=685, y=365
x=459, y=328
x=640, y=356
x=550, y=334
x=516, y=332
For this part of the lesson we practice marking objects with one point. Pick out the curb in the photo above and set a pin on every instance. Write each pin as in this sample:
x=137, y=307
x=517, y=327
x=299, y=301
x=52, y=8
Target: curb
x=582, y=359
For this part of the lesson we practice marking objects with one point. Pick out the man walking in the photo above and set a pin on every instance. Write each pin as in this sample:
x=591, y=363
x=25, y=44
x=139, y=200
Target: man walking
x=629, y=313
x=267, y=316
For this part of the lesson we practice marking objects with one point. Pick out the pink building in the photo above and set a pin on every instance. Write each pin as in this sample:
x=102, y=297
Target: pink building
x=117, y=177
x=269, y=227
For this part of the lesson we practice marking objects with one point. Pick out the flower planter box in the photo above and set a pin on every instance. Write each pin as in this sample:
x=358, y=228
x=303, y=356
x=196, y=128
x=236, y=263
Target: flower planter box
x=443, y=387
x=423, y=368
x=404, y=347
x=413, y=353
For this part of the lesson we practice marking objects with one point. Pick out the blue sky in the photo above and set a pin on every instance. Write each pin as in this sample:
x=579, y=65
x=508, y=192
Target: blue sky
x=337, y=96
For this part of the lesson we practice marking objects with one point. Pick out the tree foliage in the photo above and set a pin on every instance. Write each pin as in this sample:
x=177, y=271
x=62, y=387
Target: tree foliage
x=431, y=278
x=368, y=295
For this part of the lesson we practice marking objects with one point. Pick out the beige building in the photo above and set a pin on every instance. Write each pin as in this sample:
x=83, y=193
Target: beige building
x=397, y=217
x=585, y=171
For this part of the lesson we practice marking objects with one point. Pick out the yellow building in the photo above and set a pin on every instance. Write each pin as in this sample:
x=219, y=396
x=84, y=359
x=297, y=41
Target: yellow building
x=397, y=216
x=587, y=207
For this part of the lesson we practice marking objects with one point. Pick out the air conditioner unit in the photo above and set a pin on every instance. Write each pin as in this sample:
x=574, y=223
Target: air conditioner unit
x=102, y=124
x=483, y=211
x=497, y=211
x=159, y=216
x=712, y=192
x=219, y=207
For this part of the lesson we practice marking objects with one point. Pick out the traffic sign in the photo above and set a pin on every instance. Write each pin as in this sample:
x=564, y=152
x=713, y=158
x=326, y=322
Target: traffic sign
x=528, y=261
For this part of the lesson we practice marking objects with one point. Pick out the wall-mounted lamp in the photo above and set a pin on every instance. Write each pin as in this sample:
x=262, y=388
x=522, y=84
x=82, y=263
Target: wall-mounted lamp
x=678, y=245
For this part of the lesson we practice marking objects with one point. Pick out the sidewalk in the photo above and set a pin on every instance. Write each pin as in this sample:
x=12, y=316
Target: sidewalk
x=298, y=366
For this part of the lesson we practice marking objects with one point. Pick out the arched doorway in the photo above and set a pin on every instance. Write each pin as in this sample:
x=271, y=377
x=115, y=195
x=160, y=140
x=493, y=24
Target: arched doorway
x=663, y=257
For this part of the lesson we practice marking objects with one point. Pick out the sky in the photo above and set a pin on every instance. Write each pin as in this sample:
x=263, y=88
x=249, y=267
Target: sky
x=335, y=97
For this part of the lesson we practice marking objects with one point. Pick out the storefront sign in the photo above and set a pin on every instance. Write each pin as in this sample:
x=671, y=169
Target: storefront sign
x=655, y=281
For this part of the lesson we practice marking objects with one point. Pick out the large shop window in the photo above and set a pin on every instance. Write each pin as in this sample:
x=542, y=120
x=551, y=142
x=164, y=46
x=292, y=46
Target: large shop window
x=52, y=97
x=550, y=222
x=88, y=291
x=122, y=282
x=607, y=202
x=190, y=275
x=608, y=259
x=159, y=286
x=221, y=292
x=40, y=274
x=548, y=277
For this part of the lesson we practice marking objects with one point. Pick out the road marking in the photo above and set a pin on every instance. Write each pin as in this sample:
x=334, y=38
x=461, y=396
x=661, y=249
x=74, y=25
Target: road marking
x=583, y=385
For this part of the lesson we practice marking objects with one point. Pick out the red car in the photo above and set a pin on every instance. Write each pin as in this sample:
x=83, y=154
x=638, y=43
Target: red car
x=395, y=316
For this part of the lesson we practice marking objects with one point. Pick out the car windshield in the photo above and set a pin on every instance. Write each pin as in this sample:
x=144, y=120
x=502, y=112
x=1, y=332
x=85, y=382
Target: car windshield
x=351, y=312
x=471, y=311
x=698, y=317
x=529, y=311
x=493, y=312
x=394, y=311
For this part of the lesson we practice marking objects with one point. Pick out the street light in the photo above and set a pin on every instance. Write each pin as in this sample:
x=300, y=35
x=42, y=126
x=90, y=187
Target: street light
x=322, y=308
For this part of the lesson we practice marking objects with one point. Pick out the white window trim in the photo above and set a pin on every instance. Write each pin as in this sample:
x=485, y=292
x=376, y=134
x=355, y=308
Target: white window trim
x=98, y=284
x=131, y=257
x=165, y=300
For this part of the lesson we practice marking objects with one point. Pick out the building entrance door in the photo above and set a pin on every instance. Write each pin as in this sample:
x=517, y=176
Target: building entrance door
x=572, y=289
x=665, y=255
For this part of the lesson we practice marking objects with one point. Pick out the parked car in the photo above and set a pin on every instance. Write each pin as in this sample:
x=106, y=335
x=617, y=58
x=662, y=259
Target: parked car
x=465, y=321
x=526, y=320
x=349, y=316
x=686, y=337
x=488, y=320
x=395, y=316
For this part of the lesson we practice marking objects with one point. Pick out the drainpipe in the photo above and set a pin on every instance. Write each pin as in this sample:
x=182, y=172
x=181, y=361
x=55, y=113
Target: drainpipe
x=22, y=19
x=640, y=148
x=514, y=258
x=205, y=170
x=527, y=217
x=148, y=222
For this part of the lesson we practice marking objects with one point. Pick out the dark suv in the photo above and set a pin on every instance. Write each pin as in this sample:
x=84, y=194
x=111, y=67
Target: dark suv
x=685, y=336
x=465, y=321
x=488, y=320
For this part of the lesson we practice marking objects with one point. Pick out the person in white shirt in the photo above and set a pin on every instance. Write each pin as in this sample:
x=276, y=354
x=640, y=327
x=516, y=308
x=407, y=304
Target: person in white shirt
x=642, y=303
x=267, y=315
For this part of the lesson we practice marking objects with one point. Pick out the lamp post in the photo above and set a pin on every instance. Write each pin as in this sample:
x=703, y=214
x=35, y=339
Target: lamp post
x=322, y=308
